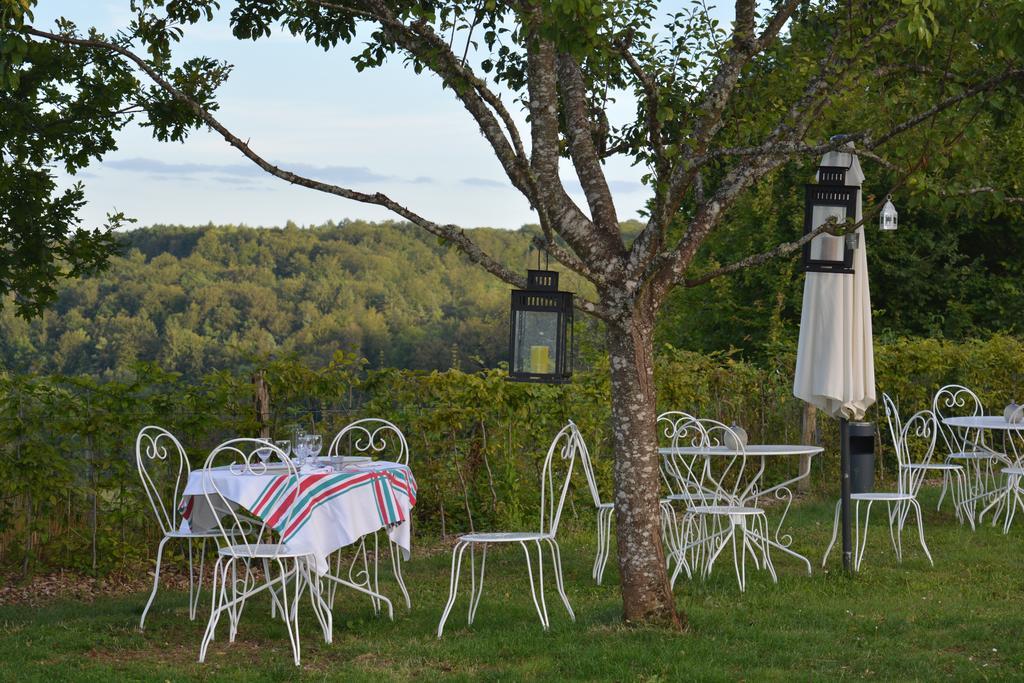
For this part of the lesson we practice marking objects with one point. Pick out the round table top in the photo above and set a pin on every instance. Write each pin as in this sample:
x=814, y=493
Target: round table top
x=982, y=422
x=757, y=450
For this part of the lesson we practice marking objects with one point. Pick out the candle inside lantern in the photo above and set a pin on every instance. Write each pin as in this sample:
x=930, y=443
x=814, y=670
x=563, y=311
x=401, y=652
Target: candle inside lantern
x=540, y=361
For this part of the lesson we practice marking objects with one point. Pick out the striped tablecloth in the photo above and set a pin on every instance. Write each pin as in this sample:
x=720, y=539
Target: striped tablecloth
x=335, y=508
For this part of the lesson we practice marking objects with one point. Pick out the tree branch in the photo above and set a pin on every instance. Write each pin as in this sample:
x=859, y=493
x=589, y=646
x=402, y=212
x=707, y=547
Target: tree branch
x=421, y=41
x=594, y=247
x=651, y=103
x=581, y=146
x=450, y=233
x=984, y=86
x=985, y=189
x=745, y=45
x=783, y=249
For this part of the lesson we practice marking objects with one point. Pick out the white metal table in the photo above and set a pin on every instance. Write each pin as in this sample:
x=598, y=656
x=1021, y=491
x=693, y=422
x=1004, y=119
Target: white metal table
x=780, y=491
x=1012, y=458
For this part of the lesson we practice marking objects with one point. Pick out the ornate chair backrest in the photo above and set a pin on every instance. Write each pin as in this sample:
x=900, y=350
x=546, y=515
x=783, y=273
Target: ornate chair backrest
x=373, y=437
x=565, y=446
x=731, y=479
x=164, y=468
x=682, y=474
x=916, y=446
x=955, y=400
x=588, y=471
x=892, y=417
x=273, y=514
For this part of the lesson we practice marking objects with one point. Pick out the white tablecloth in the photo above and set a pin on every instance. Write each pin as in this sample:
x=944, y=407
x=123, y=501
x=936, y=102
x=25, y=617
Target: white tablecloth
x=334, y=508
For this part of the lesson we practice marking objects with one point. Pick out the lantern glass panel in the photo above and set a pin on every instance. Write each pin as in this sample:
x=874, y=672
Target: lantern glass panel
x=826, y=247
x=536, y=342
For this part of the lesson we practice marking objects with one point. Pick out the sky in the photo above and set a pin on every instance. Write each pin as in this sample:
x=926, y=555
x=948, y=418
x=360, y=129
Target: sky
x=386, y=130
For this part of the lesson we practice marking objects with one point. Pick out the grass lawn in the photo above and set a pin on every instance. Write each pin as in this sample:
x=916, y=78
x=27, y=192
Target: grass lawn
x=960, y=619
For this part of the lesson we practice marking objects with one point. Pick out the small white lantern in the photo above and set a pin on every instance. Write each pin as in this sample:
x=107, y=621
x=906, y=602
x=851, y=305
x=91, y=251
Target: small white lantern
x=889, y=219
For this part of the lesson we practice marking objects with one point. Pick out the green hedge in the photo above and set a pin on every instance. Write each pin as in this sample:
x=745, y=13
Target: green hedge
x=70, y=496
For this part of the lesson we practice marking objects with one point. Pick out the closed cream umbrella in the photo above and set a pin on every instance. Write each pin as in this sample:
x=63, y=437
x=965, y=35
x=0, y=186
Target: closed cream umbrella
x=835, y=368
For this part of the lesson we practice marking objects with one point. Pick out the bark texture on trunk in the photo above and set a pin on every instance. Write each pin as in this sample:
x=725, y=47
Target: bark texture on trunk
x=646, y=594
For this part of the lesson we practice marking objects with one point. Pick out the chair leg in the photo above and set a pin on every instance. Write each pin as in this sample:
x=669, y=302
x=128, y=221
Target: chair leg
x=541, y=611
x=274, y=601
x=1013, y=499
x=920, y=530
x=669, y=531
x=684, y=548
x=453, y=584
x=219, y=591
x=600, y=546
x=376, y=570
x=766, y=547
x=332, y=587
x=194, y=596
x=556, y=559
x=320, y=609
x=962, y=485
x=729, y=536
x=540, y=583
x=904, y=512
x=835, y=533
x=156, y=580
x=942, y=494
x=291, y=613
x=396, y=567
x=895, y=522
x=609, y=516
x=739, y=556
x=684, y=539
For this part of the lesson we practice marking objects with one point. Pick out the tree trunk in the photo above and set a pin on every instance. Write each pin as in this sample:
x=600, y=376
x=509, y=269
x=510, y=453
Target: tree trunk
x=646, y=595
x=261, y=401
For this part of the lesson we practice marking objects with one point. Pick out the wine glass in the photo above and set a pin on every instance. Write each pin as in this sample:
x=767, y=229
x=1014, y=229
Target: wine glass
x=264, y=454
x=316, y=444
x=285, y=445
x=299, y=447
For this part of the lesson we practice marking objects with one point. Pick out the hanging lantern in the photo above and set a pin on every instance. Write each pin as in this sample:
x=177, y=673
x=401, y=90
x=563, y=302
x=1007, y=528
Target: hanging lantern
x=540, y=339
x=888, y=219
x=830, y=198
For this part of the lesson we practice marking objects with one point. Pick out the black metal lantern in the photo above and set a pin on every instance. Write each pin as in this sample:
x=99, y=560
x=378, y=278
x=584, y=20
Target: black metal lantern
x=831, y=197
x=540, y=339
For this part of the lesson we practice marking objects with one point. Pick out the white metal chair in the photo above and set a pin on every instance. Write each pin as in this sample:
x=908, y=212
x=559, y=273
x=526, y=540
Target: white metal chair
x=681, y=475
x=1010, y=496
x=566, y=445
x=954, y=477
x=251, y=543
x=915, y=445
x=967, y=445
x=606, y=513
x=380, y=440
x=726, y=515
x=164, y=469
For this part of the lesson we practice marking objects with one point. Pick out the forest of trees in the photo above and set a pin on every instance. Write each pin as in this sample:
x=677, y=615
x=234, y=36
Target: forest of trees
x=198, y=299
x=208, y=298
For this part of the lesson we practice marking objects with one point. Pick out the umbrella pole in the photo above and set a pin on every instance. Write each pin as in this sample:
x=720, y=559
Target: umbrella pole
x=844, y=465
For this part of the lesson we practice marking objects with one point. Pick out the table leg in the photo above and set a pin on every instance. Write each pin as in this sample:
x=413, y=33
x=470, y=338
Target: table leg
x=378, y=597
x=779, y=540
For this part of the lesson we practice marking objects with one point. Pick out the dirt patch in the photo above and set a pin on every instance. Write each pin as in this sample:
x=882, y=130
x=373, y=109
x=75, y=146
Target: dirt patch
x=65, y=585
